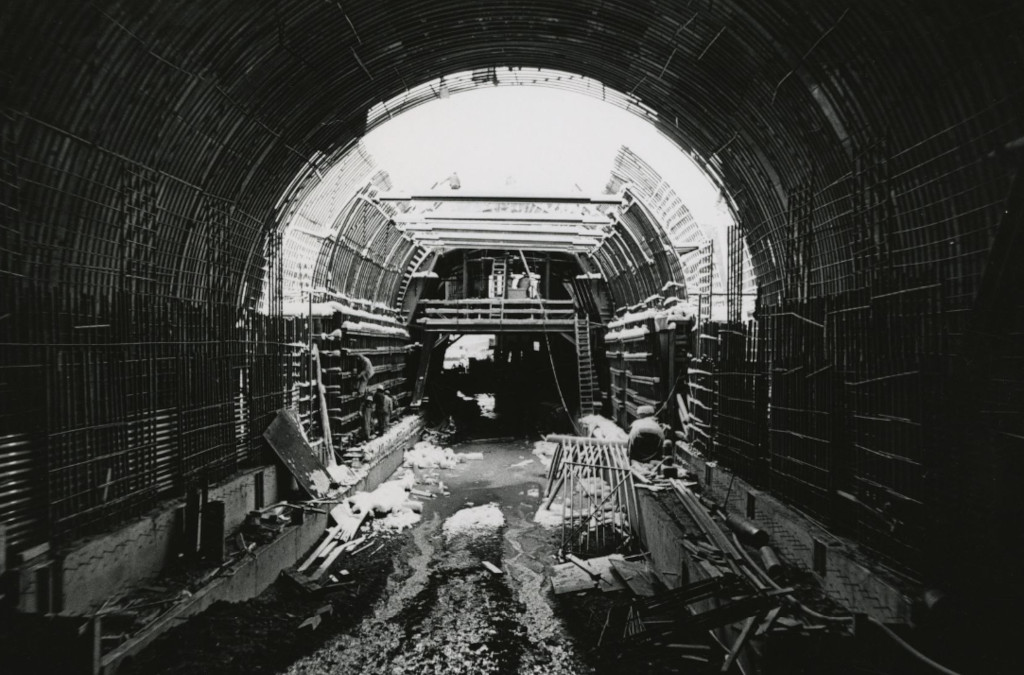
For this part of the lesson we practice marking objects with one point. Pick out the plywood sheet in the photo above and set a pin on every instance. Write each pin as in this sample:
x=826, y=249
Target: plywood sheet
x=568, y=577
x=285, y=436
x=637, y=576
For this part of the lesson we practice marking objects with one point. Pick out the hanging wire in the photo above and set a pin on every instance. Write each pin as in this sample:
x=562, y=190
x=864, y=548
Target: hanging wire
x=554, y=373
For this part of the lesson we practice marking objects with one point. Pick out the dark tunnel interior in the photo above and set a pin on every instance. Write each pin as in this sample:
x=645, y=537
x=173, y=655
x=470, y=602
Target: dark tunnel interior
x=152, y=155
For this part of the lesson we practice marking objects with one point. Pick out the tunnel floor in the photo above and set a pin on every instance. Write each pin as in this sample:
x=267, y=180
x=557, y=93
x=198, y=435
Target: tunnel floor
x=421, y=603
x=446, y=613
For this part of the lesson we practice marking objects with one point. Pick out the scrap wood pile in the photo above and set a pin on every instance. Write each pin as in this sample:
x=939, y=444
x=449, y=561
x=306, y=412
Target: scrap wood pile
x=393, y=506
x=594, y=480
x=358, y=521
x=126, y=615
x=443, y=434
x=737, y=595
x=608, y=573
x=679, y=619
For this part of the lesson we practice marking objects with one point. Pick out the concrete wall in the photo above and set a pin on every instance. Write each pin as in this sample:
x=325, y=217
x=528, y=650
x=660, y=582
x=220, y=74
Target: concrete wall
x=100, y=567
x=239, y=495
x=250, y=576
x=847, y=576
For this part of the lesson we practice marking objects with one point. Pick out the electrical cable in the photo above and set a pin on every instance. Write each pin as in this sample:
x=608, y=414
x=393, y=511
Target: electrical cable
x=909, y=648
x=764, y=577
x=554, y=374
x=671, y=393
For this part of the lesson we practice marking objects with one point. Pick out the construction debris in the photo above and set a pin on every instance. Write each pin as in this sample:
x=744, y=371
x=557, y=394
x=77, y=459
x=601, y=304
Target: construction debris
x=580, y=575
x=312, y=622
x=286, y=437
x=599, y=503
x=635, y=574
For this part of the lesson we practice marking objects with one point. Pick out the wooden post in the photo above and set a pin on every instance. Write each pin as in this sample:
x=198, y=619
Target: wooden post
x=190, y=525
x=547, y=276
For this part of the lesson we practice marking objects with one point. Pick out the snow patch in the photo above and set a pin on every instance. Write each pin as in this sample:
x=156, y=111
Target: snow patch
x=475, y=521
x=374, y=328
x=525, y=462
x=321, y=483
x=551, y=517
x=396, y=521
x=598, y=489
x=388, y=497
x=544, y=450
x=626, y=333
x=597, y=426
x=344, y=475
x=486, y=403
x=426, y=455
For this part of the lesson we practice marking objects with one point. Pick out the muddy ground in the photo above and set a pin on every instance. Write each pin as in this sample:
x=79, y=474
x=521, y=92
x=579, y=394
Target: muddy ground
x=420, y=603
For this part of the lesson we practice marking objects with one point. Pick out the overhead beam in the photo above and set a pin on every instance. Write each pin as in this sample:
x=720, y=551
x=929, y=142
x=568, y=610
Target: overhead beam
x=460, y=196
x=535, y=247
x=510, y=228
x=494, y=246
x=481, y=217
x=507, y=241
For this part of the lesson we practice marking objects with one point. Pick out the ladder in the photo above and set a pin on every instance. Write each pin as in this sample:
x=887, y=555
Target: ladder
x=585, y=361
x=497, y=285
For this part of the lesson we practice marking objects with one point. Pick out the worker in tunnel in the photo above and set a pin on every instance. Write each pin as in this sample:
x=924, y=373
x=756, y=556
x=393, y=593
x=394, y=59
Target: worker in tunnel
x=646, y=435
x=383, y=406
x=363, y=373
x=366, y=413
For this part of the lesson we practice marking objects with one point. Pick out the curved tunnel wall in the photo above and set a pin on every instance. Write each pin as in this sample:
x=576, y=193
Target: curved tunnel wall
x=145, y=148
x=216, y=108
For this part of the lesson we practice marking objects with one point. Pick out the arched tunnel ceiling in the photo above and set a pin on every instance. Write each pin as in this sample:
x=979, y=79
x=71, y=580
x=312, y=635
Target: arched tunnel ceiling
x=154, y=141
x=324, y=221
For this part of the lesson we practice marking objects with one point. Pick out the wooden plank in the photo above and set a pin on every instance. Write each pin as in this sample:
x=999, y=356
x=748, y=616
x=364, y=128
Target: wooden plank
x=741, y=641
x=568, y=577
x=325, y=420
x=636, y=575
x=331, y=534
x=328, y=562
x=285, y=436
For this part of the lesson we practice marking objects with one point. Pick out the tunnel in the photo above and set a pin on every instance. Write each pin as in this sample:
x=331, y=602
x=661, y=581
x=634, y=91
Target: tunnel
x=188, y=210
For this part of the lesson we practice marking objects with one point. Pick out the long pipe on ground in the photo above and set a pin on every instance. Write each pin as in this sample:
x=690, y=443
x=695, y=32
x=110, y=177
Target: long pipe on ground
x=772, y=566
x=746, y=530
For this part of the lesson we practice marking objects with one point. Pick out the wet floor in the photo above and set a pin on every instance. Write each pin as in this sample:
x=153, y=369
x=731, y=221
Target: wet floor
x=442, y=610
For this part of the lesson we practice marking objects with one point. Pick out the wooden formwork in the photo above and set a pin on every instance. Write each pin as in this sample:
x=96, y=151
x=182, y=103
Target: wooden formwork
x=594, y=479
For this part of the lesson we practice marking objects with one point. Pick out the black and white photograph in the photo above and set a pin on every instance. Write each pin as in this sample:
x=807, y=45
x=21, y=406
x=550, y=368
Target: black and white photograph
x=511, y=337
